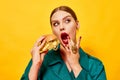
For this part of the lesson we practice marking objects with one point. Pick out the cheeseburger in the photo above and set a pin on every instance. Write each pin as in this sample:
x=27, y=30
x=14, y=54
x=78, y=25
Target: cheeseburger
x=51, y=43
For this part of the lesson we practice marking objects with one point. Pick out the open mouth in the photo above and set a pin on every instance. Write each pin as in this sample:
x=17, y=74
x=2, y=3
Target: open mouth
x=64, y=37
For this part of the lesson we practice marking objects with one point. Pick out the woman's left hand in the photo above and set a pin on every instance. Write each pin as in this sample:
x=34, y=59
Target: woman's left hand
x=73, y=56
x=72, y=51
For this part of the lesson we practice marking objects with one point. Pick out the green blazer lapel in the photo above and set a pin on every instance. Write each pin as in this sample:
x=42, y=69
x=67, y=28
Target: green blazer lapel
x=84, y=61
x=58, y=67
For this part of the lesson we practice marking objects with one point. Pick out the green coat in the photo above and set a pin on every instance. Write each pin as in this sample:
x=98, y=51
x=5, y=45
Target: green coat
x=54, y=68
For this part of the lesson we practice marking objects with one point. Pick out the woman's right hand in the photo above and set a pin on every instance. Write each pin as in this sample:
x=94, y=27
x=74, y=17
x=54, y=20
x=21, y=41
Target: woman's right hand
x=38, y=57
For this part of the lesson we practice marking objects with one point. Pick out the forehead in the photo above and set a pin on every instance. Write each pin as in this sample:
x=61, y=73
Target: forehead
x=60, y=15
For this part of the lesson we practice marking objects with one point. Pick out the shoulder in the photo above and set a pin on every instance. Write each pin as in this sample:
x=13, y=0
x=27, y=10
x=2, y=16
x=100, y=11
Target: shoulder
x=90, y=63
x=96, y=66
x=93, y=66
x=94, y=62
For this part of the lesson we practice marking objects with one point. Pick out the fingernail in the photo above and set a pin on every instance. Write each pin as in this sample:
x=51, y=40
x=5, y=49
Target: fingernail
x=80, y=37
x=68, y=37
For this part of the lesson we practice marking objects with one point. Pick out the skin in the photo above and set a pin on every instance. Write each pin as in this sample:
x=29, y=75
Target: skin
x=61, y=22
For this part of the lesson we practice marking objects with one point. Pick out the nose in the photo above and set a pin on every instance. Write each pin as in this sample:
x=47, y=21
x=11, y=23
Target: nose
x=62, y=27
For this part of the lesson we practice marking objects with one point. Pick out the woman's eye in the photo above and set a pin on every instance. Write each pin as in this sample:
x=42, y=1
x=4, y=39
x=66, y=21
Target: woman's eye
x=67, y=20
x=55, y=24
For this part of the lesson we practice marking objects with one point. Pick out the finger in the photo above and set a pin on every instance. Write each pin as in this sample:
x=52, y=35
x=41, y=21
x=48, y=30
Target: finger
x=66, y=48
x=71, y=45
x=43, y=54
x=39, y=41
x=78, y=42
x=42, y=45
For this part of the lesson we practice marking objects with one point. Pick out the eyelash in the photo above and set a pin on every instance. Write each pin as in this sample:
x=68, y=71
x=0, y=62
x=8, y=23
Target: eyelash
x=54, y=24
x=68, y=20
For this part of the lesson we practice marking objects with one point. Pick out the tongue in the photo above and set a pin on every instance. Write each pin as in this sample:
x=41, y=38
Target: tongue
x=64, y=37
x=65, y=41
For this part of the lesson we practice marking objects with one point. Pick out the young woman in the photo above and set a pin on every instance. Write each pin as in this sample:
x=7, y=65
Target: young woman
x=67, y=63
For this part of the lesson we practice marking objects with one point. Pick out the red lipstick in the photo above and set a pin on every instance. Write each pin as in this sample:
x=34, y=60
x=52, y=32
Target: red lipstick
x=64, y=37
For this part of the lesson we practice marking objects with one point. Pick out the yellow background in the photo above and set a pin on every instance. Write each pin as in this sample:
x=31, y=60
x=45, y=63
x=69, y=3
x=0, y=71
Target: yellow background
x=22, y=22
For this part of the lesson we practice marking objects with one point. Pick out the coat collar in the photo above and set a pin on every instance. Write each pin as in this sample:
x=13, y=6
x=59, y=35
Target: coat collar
x=84, y=61
x=56, y=58
x=58, y=67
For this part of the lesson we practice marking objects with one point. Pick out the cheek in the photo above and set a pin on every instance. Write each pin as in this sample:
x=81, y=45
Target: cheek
x=73, y=32
x=72, y=29
x=55, y=31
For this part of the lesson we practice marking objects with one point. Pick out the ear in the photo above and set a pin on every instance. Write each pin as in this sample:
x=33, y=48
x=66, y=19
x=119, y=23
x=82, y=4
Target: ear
x=78, y=25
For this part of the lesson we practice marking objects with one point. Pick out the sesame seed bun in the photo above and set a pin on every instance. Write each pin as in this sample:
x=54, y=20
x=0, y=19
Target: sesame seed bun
x=50, y=37
x=51, y=43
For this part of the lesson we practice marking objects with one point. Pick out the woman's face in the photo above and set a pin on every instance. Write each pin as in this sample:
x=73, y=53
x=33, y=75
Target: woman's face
x=64, y=26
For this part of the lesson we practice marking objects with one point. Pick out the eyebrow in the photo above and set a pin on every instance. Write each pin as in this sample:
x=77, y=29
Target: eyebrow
x=67, y=16
x=63, y=18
